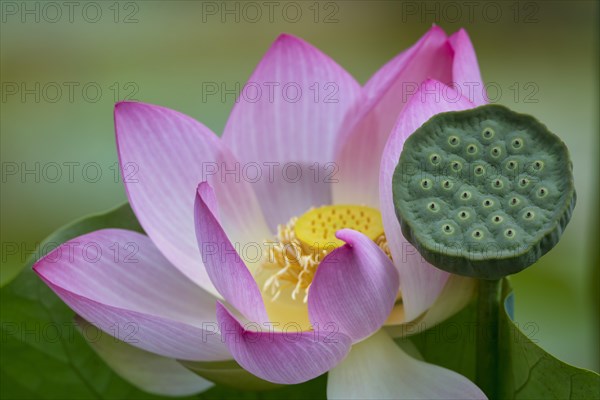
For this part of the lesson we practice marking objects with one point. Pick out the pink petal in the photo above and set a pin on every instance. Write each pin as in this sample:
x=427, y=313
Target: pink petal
x=287, y=357
x=224, y=266
x=457, y=293
x=147, y=371
x=418, y=56
x=120, y=282
x=385, y=94
x=378, y=369
x=354, y=287
x=279, y=129
x=465, y=69
x=163, y=155
x=420, y=282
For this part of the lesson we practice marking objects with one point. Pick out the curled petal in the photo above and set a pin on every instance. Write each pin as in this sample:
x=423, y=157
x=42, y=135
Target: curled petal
x=354, y=287
x=224, y=266
x=287, y=357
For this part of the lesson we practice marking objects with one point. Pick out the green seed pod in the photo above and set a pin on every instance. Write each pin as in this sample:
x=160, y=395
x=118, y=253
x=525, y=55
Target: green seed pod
x=483, y=192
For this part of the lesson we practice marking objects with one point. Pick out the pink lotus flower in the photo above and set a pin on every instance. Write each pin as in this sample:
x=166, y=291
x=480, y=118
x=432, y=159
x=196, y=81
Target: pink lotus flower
x=188, y=197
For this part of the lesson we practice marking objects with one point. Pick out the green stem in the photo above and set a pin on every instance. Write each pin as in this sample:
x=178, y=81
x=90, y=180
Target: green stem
x=488, y=306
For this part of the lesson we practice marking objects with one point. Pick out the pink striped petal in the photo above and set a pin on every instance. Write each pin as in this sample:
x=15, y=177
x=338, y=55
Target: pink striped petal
x=163, y=155
x=286, y=120
x=286, y=357
x=465, y=69
x=224, y=266
x=378, y=369
x=385, y=94
x=147, y=371
x=354, y=287
x=420, y=282
x=418, y=56
x=120, y=282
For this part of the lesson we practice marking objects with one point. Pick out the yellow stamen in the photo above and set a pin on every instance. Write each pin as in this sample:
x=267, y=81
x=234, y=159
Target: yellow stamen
x=303, y=242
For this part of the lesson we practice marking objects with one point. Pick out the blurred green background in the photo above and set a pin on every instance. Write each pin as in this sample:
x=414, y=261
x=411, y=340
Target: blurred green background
x=543, y=56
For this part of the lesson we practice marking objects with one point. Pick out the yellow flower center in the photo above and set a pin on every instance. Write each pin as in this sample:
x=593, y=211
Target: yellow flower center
x=317, y=227
x=300, y=246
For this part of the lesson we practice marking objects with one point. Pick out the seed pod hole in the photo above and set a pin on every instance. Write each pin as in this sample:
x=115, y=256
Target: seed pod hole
x=509, y=233
x=488, y=133
x=435, y=158
x=471, y=149
x=517, y=143
x=488, y=203
x=456, y=166
x=466, y=195
x=433, y=206
x=479, y=170
x=426, y=184
x=448, y=229
x=477, y=234
x=453, y=141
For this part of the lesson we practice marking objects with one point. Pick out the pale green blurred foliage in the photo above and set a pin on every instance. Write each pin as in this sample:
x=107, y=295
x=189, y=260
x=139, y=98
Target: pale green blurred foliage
x=550, y=52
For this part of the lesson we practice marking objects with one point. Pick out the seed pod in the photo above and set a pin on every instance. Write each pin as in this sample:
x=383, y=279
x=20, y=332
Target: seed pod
x=483, y=192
